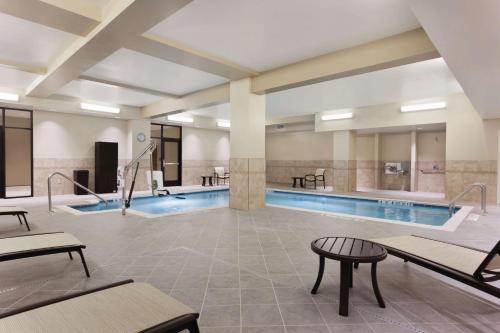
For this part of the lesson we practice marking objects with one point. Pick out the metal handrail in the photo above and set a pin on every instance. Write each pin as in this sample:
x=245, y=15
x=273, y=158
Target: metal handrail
x=482, y=187
x=49, y=187
x=135, y=162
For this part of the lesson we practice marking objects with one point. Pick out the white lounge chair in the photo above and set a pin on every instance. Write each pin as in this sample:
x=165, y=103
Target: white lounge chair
x=219, y=173
x=122, y=307
x=158, y=182
x=15, y=211
x=34, y=245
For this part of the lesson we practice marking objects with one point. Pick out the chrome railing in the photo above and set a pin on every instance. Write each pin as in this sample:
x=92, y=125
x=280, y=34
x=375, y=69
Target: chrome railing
x=482, y=187
x=49, y=187
x=135, y=162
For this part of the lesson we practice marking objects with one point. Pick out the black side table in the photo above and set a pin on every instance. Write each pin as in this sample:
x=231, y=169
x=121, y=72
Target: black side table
x=204, y=180
x=348, y=251
x=300, y=179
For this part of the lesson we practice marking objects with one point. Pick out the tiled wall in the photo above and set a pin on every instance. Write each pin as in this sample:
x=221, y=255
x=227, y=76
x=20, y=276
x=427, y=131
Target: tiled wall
x=192, y=170
x=248, y=182
x=459, y=174
x=43, y=167
x=344, y=175
x=281, y=171
x=365, y=174
x=431, y=182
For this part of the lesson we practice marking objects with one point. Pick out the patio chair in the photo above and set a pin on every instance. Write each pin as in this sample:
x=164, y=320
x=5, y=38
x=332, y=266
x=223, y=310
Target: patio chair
x=119, y=307
x=157, y=182
x=319, y=176
x=219, y=173
x=16, y=211
x=465, y=264
x=34, y=245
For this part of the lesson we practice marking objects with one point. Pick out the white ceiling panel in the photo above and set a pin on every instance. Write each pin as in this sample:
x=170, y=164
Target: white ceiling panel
x=141, y=70
x=96, y=92
x=264, y=34
x=30, y=43
x=422, y=80
x=14, y=79
x=221, y=111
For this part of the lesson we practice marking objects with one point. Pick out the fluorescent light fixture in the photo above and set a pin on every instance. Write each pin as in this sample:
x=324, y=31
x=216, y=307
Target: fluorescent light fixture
x=9, y=97
x=423, y=107
x=99, y=108
x=180, y=119
x=223, y=123
x=337, y=116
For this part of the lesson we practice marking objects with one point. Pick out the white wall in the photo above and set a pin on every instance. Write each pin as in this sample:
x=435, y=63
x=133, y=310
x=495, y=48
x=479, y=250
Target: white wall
x=365, y=148
x=299, y=146
x=431, y=146
x=202, y=144
x=65, y=136
x=395, y=146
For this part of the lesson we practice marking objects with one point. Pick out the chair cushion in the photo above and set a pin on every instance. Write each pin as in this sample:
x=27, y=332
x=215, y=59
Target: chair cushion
x=37, y=242
x=12, y=209
x=127, y=308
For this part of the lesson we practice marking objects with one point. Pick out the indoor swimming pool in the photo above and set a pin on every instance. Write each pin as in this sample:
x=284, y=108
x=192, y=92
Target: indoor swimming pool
x=378, y=209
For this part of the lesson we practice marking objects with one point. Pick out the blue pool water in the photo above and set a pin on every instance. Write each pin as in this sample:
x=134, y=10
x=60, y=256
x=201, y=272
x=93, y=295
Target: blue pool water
x=384, y=209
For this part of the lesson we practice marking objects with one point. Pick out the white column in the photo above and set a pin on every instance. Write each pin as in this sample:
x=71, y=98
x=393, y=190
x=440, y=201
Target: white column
x=247, y=162
x=344, y=161
x=413, y=162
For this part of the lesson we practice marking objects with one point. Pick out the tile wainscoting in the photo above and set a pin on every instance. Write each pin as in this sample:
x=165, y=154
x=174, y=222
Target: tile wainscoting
x=248, y=183
x=43, y=167
x=192, y=170
x=431, y=182
x=459, y=174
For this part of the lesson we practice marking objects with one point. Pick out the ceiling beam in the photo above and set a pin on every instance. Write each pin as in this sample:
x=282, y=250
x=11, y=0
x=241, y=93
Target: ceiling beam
x=203, y=98
x=180, y=54
x=22, y=67
x=76, y=17
x=125, y=19
x=397, y=50
x=127, y=86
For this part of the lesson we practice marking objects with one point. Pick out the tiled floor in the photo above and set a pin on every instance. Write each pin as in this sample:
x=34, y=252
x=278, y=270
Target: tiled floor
x=252, y=272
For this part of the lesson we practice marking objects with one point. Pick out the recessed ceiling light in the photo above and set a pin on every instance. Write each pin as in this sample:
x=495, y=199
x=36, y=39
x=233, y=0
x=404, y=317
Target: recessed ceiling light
x=180, y=119
x=99, y=108
x=9, y=96
x=423, y=107
x=223, y=123
x=337, y=116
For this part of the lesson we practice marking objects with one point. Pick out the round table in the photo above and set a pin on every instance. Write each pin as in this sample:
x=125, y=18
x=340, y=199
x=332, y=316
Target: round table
x=348, y=251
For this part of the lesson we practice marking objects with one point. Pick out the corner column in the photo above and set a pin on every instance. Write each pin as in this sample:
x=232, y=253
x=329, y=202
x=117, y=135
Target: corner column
x=344, y=161
x=247, y=162
x=378, y=164
x=413, y=162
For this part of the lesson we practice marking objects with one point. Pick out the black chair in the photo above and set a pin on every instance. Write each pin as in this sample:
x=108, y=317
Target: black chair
x=319, y=176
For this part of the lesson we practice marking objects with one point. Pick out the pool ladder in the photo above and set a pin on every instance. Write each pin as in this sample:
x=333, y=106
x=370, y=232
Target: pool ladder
x=481, y=186
x=49, y=187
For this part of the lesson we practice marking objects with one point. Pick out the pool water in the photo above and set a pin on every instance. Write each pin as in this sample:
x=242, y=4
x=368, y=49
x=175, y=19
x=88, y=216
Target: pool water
x=403, y=211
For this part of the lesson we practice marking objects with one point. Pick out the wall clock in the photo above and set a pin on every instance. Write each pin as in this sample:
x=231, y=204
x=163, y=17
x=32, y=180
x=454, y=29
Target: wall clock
x=141, y=137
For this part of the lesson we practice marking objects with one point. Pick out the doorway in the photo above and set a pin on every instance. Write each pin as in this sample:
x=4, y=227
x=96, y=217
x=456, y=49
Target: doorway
x=168, y=155
x=16, y=153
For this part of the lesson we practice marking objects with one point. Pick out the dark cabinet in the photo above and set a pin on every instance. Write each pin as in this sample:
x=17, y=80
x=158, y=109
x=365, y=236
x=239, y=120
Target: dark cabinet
x=106, y=163
x=82, y=178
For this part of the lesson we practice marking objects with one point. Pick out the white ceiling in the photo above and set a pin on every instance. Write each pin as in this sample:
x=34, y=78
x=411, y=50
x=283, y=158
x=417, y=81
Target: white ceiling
x=221, y=111
x=96, y=92
x=30, y=43
x=263, y=34
x=16, y=80
x=141, y=70
x=422, y=80
x=467, y=35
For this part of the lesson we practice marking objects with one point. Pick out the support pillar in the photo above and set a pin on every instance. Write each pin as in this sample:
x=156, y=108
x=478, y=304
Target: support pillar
x=344, y=161
x=247, y=162
x=413, y=162
x=376, y=160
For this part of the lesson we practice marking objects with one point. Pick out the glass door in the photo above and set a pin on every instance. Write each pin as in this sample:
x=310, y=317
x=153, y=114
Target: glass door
x=168, y=156
x=16, y=141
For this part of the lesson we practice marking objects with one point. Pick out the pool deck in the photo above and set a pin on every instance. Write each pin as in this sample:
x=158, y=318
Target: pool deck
x=251, y=272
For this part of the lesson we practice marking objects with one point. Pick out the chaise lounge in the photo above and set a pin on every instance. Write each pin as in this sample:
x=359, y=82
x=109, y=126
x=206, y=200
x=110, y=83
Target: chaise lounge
x=465, y=264
x=16, y=211
x=117, y=308
x=34, y=245
x=319, y=176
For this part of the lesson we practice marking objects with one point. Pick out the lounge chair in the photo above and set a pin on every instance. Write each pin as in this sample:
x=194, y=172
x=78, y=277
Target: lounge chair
x=34, y=245
x=119, y=307
x=158, y=181
x=465, y=264
x=219, y=173
x=15, y=211
x=319, y=176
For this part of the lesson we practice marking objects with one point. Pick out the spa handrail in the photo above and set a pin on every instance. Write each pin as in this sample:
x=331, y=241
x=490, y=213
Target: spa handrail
x=49, y=187
x=482, y=187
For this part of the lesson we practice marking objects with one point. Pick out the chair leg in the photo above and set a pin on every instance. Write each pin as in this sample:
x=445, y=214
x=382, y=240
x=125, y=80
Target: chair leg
x=83, y=262
x=193, y=327
x=19, y=218
x=70, y=256
x=26, y=222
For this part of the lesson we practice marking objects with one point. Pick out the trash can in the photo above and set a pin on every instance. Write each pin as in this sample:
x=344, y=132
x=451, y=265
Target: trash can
x=82, y=178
